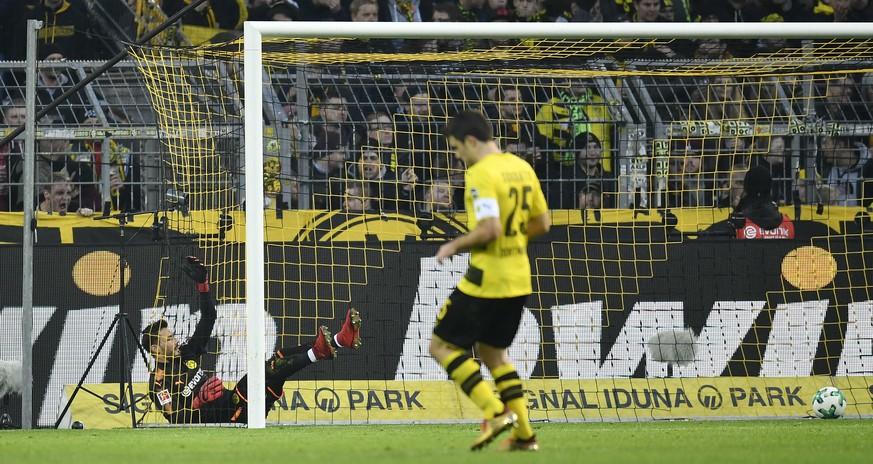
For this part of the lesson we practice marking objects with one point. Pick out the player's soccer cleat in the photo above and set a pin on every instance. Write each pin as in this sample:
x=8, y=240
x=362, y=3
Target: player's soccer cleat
x=491, y=428
x=350, y=335
x=515, y=444
x=322, y=347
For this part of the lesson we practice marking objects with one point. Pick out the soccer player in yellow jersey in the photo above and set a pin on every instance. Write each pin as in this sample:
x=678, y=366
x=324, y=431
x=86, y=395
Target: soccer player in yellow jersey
x=505, y=207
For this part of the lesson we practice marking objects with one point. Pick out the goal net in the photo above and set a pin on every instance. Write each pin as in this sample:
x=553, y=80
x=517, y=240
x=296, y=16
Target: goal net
x=309, y=167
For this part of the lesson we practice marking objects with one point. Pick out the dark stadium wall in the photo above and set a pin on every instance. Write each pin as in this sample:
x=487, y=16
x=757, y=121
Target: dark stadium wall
x=622, y=275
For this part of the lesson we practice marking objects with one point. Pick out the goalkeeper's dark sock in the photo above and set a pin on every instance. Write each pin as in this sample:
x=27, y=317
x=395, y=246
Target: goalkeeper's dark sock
x=242, y=389
x=467, y=375
x=285, y=366
x=290, y=365
x=512, y=395
x=284, y=357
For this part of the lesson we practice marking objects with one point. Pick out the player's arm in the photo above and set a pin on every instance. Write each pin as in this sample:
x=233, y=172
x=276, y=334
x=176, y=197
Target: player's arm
x=197, y=272
x=540, y=222
x=539, y=225
x=486, y=231
x=486, y=210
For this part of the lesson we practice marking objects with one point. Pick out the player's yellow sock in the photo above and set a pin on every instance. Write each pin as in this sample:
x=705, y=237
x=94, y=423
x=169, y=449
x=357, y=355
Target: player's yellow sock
x=512, y=394
x=468, y=376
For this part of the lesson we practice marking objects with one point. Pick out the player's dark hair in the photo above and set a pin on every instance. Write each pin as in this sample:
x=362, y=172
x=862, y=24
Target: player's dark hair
x=469, y=122
x=151, y=333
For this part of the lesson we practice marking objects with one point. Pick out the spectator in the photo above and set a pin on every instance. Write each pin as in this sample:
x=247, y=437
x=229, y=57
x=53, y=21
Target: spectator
x=379, y=136
x=293, y=183
x=437, y=198
x=405, y=11
x=530, y=11
x=64, y=25
x=590, y=196
x=867, y=88
x=711, y=48
x=587, y=169
x=718, y=99
x=11, y=155
x=274, y=10
x=124, y=170
x=379, y=130
x=283, y=10
x=841, y=102
x=732, y=150
x=649, y=11
x=788, y=11
x=841, y=10
x=358, y=198
x=850, y=165
x=322, y=10
x=561, y=11
x=51, y=157
x=448, y=12
x=418, y=136
x=498, y=10
x=257, y=9
x=331, y=116
x=54, y=81
x=671, y=13
x=586, y=11
x=572, y=109
x=366, y=11
x=329, y=158
x=393, y=194
x=56, y=197
x=770, y=154
x=730, y=11
x=213, y=14
x=57, y=155
x=730, y=187
x=688, y=185
x=471, y=11
x=514, y=128
x=767, y=99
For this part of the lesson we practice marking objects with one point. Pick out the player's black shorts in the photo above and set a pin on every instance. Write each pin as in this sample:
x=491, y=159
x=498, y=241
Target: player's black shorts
x=465, y=320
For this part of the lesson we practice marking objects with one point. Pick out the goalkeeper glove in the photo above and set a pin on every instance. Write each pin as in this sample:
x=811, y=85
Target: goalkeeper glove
x=196, y=271
x=210, y=391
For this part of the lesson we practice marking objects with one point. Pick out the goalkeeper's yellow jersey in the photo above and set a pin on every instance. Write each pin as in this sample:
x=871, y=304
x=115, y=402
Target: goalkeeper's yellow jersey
x=501, y=269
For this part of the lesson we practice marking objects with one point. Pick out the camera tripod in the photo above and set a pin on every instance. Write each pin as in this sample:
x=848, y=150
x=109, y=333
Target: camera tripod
x=125, y=331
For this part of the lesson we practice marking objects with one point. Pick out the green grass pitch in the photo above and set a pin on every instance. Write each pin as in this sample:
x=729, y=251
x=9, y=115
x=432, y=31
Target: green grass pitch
x=792, y=441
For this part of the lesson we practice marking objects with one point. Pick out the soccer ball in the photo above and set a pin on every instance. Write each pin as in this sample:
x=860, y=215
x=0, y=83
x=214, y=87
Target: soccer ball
x=829, y=403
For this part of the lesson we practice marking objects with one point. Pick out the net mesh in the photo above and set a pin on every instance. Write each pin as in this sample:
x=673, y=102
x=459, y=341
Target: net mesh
x=641, y=159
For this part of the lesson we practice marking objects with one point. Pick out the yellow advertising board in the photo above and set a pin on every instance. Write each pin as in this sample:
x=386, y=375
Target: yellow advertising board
x=360, y=401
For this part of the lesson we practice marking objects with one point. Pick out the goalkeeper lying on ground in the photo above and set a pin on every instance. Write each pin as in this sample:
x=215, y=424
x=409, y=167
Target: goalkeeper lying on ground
x=186, y=394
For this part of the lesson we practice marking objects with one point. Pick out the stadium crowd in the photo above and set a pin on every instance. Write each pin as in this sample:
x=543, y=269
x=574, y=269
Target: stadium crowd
x=379, y=148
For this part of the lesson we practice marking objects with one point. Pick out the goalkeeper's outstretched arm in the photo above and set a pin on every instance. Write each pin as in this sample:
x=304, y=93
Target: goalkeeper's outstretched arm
x=197, y=272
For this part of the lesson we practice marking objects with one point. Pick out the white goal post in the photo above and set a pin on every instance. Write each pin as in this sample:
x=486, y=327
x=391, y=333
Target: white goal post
x=255, y=32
